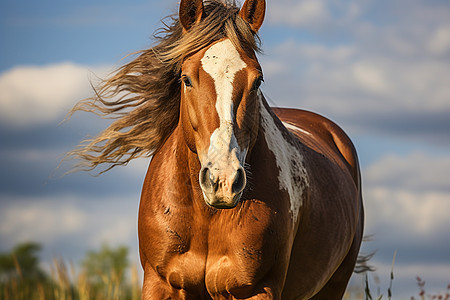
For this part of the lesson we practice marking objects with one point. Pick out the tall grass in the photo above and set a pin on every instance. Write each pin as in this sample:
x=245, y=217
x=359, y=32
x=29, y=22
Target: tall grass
x=65, y=283
x=366, y=292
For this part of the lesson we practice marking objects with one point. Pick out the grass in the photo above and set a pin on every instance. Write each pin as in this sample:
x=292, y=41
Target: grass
x=367, y=293
x=65, y=283
x=422, y=294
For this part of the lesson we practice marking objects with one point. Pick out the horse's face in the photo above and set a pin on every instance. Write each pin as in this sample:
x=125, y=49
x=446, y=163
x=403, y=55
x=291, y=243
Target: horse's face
x=220, y=117
x=219, y=107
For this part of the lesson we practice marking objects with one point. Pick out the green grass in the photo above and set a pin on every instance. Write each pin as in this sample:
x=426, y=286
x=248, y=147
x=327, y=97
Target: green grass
x=107, y=275
x=103, y=274
x=65, y=283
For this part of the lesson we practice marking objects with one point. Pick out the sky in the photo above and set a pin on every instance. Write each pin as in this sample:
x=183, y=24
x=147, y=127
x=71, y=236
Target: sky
x=380, y=69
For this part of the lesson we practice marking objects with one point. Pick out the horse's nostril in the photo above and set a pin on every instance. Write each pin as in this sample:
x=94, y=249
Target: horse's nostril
x=239, y=181
x=205, y=179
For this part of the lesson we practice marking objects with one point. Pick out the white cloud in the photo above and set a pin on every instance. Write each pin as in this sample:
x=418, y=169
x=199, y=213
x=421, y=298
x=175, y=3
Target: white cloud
x=40, y=94
x=369, y=66
x=302, y=13
x=407, y=201
x=415, y=172
x=53, y=220
x=397, y=71
x=331, y=78
x=40, y=219
x=370, y=78
x=315, y=14
x=407, y=214
x=408, y=197
x=440, y=41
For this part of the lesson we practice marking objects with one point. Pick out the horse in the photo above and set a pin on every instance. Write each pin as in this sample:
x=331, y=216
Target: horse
x=240, y=200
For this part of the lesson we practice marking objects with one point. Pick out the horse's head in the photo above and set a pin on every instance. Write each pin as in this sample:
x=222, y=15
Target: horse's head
x=219, y=106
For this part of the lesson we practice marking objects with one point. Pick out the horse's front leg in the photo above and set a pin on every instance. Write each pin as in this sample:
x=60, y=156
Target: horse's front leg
x=154, y=287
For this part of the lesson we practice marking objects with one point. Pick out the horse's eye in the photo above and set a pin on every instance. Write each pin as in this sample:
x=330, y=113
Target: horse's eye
x=257, y=83
x=186, y=80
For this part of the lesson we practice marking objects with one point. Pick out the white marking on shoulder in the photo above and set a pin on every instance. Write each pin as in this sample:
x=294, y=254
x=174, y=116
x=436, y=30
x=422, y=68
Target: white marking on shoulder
x=292, y=173
x=222, y=61
x=295, y=128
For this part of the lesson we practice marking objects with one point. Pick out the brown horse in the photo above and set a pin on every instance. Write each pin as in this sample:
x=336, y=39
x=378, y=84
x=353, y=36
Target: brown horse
x=240, y=201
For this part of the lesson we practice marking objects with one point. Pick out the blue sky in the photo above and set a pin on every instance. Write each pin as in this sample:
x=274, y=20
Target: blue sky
x=380, y=69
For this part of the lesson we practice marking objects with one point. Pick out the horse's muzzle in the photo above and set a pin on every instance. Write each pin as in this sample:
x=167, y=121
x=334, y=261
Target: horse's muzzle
x=222, y=191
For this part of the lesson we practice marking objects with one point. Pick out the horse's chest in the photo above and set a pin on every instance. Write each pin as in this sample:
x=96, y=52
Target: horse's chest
x=229, y=252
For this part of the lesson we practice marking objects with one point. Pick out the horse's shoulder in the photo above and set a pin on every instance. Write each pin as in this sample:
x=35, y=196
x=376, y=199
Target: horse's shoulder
x=317, y=132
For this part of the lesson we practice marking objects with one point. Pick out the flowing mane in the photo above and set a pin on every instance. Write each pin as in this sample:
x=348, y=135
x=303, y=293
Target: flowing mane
x=143, y=96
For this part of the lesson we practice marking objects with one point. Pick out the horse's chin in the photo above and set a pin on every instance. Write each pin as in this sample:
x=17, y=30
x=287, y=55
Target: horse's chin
x=220, y=202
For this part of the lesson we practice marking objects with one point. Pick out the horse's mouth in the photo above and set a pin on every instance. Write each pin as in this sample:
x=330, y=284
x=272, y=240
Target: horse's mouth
x=222, y=202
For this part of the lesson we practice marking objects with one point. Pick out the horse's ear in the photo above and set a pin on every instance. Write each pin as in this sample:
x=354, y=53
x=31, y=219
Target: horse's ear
x=253, y=12
x=191, y=12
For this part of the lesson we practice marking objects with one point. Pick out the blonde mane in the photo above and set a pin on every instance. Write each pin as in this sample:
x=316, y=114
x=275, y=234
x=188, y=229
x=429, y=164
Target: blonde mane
x=143, y=96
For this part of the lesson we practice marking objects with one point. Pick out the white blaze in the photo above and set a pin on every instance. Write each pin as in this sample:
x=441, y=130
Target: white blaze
x=222, y=61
